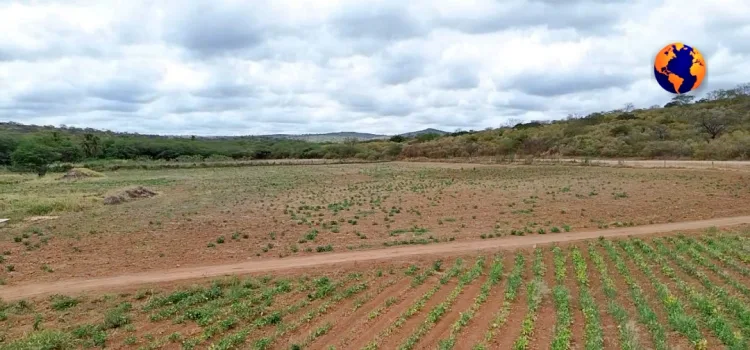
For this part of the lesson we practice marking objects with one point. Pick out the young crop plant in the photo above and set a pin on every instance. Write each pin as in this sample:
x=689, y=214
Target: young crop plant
x=496, y=271
x=646, y=315
x=694, y=254
x=711, y=315
x=321, y=310
x=561, y=296
x=628, y=336
x=420, y=278
x=720, y=253
x=593, y=332
x=731, y=303
x=533, y=300
x=721, y=244
x=677, y=316
x=714, y=254
x=417, y=305
x=439, y=310
x=515, y=281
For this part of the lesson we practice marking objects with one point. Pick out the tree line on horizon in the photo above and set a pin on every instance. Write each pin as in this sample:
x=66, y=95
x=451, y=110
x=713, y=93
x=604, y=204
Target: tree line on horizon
x=715, y=127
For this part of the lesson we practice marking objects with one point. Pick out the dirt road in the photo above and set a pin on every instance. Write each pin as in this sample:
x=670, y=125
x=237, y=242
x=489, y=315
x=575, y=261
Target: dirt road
x=692, y=164
x=76, y=286
x=636, y=163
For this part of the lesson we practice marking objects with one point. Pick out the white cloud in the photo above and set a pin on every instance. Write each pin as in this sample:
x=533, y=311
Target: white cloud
x=215, y=67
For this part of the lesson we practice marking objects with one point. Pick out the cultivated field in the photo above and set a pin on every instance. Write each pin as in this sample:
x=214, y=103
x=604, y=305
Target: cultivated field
x=212, y=216
x=664, y=291
x=675, y=291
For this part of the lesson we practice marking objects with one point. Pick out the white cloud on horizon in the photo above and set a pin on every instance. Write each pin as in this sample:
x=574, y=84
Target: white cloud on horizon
x=228, y=67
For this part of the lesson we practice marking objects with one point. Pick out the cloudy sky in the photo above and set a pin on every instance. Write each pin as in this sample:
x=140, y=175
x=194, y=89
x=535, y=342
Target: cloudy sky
x=229, y=67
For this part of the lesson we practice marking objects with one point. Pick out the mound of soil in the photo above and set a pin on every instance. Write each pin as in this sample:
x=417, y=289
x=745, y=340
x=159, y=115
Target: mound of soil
x=128, y=195
x=80, y=173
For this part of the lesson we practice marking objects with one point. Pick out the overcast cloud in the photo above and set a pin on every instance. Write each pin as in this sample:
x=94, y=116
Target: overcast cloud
x=230, y=67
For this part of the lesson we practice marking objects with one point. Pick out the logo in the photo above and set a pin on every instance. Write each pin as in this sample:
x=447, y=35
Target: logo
x=679, y=68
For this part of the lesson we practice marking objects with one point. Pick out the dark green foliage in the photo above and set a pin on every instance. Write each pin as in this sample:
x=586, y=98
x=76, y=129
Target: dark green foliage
x=117, y=317
x=45, y=339
x=31, y=155
x=62, y=302
x=713, y=128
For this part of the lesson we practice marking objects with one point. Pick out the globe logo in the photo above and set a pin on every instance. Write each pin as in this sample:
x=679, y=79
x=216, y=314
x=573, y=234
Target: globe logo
x=679, y=68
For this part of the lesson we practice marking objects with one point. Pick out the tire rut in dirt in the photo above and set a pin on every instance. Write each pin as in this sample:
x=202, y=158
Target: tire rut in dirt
x=344, y=323
x=442, y=329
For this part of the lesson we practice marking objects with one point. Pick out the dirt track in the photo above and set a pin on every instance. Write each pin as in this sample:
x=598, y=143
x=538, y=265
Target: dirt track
x=636, y=163
x=75, y=286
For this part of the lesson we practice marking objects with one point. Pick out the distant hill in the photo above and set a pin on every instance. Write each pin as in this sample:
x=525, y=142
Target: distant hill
x=325, y=137
x=423, y=132
x=329, y=137
x=714, y=127
x=340, y=136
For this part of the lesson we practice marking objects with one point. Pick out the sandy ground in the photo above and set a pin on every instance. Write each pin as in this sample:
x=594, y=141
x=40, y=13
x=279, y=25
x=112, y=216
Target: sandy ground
x=75, y=286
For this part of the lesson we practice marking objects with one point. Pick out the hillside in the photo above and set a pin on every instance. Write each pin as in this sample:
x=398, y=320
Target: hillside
x=359, y=136
x=716, y=127
x=329, y=137
x=424, y=132
x=18, y=128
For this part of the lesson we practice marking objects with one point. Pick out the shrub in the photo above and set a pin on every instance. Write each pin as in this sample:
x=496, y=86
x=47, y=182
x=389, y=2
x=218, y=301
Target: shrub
x=62, y=302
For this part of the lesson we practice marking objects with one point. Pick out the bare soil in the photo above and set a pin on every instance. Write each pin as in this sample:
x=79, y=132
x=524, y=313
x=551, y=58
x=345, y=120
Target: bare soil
x=625, y=300
x=609, y=324
x=674, y=339
x=475, y=331
x=577, y=340
x=299, y=223
x=341, y=324
x=73, y=286
x=442, y=329
x=362, y=333
x=546, y=319
x=507, y=334
x=263, y=213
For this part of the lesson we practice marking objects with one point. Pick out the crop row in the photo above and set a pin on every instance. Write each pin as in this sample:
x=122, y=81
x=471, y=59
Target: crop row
x=533, y=300
x=439, y=310
x=496, y=271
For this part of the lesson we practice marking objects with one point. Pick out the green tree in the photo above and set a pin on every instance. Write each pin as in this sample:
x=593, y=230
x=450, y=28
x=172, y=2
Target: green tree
x=427, y=137
x=61, y=144
x=398, y=138
x=680, y=100
x=7, y=145
x=714, y=121
x=91, y=145
x=31, y=155
x=394, y=150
